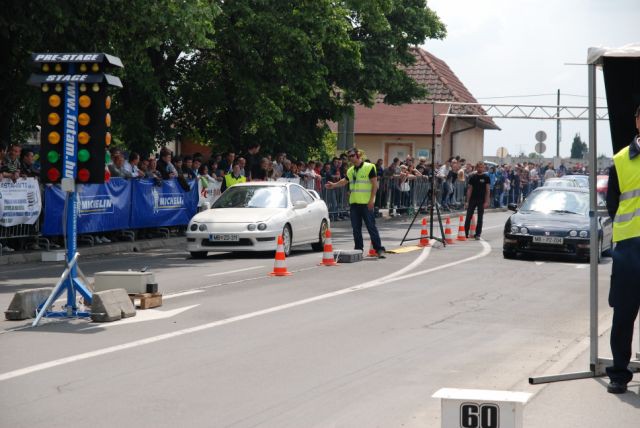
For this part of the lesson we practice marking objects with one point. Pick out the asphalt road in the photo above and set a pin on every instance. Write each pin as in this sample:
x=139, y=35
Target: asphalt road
x=357, y=345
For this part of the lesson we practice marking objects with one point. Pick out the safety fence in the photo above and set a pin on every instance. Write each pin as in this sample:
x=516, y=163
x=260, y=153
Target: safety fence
x=129, y=209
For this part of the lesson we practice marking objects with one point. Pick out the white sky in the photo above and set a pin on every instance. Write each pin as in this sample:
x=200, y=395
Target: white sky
x=501, y=48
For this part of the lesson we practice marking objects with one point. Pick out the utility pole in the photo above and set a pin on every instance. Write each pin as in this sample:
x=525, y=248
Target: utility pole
x=558, y=127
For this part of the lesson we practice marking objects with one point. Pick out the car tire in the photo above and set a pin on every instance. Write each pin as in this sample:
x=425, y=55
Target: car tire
x=319, y=246
x=199, y=254
x=287, y=239
x=510, y=255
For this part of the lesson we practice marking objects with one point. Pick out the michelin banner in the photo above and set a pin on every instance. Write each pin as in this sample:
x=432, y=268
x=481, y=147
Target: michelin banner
x=101, y=207
x=19, y=202
x=165, y=205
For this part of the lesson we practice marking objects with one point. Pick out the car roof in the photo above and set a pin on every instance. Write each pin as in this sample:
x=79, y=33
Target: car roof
x=265, y=183
x=562, y=189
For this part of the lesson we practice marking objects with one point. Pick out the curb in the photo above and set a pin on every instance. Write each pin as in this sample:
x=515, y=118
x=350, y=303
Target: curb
x=113, y=248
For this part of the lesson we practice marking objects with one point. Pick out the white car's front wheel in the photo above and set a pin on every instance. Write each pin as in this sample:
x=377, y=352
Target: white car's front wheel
x=286, y=239
x=319, y=246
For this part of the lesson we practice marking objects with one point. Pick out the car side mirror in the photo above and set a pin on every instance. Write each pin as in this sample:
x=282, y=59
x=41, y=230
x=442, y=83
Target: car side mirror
x=512, y=207
x=298, y=205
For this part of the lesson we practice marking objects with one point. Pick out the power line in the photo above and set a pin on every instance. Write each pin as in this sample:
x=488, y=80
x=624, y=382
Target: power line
x=537, y=95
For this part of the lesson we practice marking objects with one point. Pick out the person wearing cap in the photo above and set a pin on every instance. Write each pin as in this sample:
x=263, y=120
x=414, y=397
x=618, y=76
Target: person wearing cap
x=363, y=185
x=623, y=204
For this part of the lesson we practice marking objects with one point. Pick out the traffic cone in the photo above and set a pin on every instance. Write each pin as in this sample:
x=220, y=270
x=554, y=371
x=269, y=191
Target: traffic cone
x=372, y=251
x=461, y=234
x=424, y=235
x=447, y=232
x=327, y=254
x=472, y=227
x=279, y=267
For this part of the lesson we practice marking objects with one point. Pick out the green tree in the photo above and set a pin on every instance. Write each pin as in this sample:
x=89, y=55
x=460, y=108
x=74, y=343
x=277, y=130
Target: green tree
x=578, y=147
x=149, y=37
x=278, y=70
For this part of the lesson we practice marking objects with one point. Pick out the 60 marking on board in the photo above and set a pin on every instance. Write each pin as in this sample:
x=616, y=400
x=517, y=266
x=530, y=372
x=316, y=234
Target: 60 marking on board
x=474, y=415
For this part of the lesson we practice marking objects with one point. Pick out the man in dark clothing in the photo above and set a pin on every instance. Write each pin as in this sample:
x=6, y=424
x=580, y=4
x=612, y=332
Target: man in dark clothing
x=478, y=192
x=623, y=204
x=253, y=161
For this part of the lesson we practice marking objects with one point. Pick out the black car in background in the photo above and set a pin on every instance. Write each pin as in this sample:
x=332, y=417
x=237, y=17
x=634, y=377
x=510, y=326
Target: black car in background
x=555, y=221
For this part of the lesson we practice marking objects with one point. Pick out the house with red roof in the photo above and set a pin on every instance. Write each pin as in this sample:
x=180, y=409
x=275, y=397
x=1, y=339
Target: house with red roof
x=387, y=131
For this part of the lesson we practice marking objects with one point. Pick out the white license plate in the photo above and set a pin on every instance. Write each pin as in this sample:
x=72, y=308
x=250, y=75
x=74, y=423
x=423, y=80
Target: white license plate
x=224, y=237
x=554, y=240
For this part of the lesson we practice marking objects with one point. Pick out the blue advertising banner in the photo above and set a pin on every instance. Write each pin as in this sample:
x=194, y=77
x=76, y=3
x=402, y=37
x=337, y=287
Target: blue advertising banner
x=101, y=207
x=165, y=205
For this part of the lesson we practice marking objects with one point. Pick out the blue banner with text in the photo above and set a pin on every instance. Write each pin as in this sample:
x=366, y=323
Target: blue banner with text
x=165, y=205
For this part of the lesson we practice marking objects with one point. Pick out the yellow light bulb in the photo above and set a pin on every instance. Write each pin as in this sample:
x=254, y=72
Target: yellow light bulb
x=95, y=87
x=107, y=138
x=83, y=137
x=45, y=67
x=57, y=68
x=54, y=100
x=84, y=101
x=58, y=87
x=107, y=119
x=83, y=67
x=53, y=119
x=53, y=137
x=84, y=119
x=45, y=88
x=83, y=87
x=95, y=68
x=107, y=102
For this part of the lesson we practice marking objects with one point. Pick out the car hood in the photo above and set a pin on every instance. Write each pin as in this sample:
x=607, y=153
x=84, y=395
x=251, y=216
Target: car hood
x=237, y=215
x=551, y=221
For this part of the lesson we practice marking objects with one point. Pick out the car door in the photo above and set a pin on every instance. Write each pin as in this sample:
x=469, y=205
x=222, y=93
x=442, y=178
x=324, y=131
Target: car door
x=300, y=218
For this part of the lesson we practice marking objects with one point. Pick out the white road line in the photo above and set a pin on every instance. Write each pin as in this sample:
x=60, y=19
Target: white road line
x=370, y=284
x=180, y=294
x=235, y=271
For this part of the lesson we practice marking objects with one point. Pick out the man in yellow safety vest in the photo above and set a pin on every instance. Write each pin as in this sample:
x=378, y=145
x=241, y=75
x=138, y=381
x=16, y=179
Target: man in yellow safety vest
x=363, y=185
x=623, y=204
x=233, y=177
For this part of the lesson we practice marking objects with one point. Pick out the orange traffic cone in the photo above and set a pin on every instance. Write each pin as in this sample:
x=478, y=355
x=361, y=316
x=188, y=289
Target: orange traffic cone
x=447, y=232
x=472, y=228
x=279, y=267
x=424, y=235
x=372, y=251
x=327, y=254
x=461, y=234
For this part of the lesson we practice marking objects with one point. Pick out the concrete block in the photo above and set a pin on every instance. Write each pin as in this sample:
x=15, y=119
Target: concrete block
x=25, y=302
x=111, y=305
x=348, y=256
x=54, y=256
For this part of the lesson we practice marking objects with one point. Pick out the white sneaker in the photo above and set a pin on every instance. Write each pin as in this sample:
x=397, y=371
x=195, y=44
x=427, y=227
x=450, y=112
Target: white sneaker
x=7, y=249
x=97, y=240
x=106, y=240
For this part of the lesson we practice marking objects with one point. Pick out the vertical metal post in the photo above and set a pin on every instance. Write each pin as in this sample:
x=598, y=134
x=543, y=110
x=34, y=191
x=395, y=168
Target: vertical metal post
x=558, y=127
x=593, y=214
x=433, y=166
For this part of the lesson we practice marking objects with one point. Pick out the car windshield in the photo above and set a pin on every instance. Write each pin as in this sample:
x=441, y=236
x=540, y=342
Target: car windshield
x=559, y=183
x=253, y=197
x=548, y=201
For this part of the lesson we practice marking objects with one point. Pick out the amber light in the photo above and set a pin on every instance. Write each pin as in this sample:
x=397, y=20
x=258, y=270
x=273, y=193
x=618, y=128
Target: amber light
x=107, y=138
x=55, y=101
x=107, y=119
x=83, y=119
x=53, y=119
x=84, y=101
x=53, y=137
x=83, y=137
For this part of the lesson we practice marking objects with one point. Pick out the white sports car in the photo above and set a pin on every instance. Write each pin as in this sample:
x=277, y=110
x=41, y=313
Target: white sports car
x=250, y=216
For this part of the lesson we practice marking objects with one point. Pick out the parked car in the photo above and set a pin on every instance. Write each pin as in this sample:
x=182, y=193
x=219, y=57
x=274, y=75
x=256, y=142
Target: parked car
x=250, y=216
x=555, y=221
x=560, y=182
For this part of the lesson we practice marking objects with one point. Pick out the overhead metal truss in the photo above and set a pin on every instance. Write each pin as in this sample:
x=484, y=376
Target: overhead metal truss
x=520, y=111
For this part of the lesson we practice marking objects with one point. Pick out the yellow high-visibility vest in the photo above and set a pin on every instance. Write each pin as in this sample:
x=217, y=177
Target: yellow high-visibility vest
x=360, y=184
x=626, y=224
x=230, y=180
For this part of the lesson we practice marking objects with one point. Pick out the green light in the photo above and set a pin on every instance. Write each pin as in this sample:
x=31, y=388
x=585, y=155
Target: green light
x=107, y=158
x=83, y=155
x=53, y=156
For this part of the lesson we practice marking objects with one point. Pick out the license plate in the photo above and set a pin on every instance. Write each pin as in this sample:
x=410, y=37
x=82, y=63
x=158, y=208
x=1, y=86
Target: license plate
x=554, y=240
x=224, y=237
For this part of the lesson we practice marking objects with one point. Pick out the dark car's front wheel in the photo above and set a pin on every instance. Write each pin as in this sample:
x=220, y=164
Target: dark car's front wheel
x=509, y=254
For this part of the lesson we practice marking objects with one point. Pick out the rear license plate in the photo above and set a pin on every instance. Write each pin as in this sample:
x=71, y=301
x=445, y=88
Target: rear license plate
x=224, y=237
x=554, y=240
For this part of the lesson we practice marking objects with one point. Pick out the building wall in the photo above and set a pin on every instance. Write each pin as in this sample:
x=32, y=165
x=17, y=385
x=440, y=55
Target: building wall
x=467, y=144
x=385, y=147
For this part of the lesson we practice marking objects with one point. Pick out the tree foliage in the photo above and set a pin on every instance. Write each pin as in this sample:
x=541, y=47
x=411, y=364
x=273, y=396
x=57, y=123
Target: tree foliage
x=578, y=148
x=225, y=73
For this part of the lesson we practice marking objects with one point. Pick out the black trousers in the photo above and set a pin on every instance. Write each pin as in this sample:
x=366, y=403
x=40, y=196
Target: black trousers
x=473, y=204
x=624, y=298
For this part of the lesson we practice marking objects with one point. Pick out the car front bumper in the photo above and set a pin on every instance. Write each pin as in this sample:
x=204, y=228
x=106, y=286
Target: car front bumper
x=247, y=241
x=571, y=247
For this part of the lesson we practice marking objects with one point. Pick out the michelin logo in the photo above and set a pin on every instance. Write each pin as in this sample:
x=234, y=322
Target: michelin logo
x=99, y=204
x=169, y=201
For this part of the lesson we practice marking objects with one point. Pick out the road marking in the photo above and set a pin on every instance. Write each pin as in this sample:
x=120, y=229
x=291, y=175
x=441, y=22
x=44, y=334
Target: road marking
x=235, y=271
x=396, y=276
x=180, y=294
x=539, y=263
x=142, y=316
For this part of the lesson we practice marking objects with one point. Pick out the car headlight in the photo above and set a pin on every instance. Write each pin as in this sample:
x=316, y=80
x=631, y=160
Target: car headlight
x=202, y=227
x=515, y=229
x=583, y=233
x=573, y=233
x=262, y=226
x=251, y=226
x=193, y=227
x=524, y=230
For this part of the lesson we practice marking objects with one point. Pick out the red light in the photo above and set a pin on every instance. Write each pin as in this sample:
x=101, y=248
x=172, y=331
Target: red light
x=83, y=174
x=53, y=174
x=107, y=175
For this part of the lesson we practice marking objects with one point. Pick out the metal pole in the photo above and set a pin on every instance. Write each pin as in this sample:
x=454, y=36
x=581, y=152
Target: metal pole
x=54, y=293
x=593, y=214
x=558, y=127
